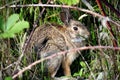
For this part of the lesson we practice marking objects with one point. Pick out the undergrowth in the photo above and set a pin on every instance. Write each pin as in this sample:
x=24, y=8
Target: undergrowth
x=103, y=64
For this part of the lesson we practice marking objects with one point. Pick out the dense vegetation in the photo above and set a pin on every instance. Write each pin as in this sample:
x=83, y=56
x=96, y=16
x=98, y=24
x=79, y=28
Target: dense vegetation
x=18, y=22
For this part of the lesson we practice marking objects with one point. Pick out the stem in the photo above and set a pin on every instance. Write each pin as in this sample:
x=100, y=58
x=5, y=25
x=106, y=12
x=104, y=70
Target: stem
x=111, y=7
x=113, y=40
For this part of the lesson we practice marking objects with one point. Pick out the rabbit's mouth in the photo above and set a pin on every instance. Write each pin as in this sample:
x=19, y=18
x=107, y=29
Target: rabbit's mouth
x=79, y=38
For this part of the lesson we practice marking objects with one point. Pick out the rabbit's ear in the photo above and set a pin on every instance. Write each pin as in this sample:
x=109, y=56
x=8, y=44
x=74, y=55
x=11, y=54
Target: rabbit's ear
x=65, y=16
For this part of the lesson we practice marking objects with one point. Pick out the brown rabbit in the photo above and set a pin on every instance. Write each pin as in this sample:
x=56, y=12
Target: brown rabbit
x=50, y=38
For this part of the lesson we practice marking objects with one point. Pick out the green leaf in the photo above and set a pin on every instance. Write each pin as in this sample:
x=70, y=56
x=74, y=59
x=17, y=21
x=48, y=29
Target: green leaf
x=70, y=2
x=35, y=1
x=31, y=10
x=81, y=72
x=11, y=21
x=83, y=64
x=6, y=35
x=8, y=78
x=75, y=74
x=19, y=27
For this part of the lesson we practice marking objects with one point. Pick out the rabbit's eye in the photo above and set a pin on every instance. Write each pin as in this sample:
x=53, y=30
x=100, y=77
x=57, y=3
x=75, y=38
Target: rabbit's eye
x=75, y=28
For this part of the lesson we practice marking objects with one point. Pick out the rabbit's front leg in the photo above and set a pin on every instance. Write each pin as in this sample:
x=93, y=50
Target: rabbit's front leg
x=67, y=61
x=66, y=67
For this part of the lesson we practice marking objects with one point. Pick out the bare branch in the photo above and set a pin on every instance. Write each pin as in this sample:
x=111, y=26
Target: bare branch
x=6, y=5
x=63, y=52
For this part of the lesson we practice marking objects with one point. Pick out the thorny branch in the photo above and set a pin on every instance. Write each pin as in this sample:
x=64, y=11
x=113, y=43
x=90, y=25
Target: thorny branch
x=60, y=53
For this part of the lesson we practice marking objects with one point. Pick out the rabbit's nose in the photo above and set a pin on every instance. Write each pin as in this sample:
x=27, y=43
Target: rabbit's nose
x=86, y=34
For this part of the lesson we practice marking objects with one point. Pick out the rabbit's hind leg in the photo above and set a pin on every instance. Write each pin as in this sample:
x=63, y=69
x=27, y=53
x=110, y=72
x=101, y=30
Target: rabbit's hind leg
x=53, y=65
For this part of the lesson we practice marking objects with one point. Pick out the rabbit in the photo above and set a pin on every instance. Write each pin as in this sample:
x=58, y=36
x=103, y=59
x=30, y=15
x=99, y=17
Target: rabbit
x=52, y=38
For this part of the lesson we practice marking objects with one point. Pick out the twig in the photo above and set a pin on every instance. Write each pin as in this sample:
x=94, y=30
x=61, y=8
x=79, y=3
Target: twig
x=65, y=6
x=60, y=53
x=9, y=66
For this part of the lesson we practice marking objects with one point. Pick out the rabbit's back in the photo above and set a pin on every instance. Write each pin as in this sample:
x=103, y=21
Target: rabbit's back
x=48, y=32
